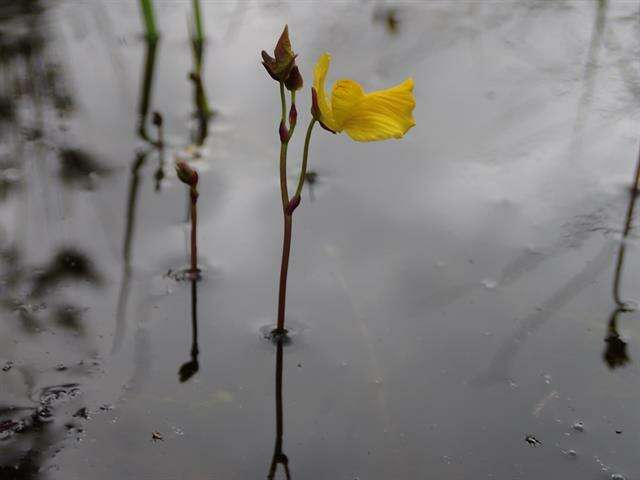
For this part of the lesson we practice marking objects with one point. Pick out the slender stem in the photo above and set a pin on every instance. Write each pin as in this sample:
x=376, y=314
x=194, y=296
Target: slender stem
x=283, y=176
x=284, y=269
x=194, y=222
x=149, y=19
x=303, y=169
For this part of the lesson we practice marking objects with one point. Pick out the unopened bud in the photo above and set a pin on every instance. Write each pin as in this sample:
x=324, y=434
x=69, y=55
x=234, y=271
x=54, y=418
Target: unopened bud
x=186, y=174
x=280, y=66
x=157, y=119
x=293, y=115
x=283, y=131
x=293, y=204
x=294, y=80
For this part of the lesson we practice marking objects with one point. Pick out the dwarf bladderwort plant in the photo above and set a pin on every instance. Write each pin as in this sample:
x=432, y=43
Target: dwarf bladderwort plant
x=365, y=117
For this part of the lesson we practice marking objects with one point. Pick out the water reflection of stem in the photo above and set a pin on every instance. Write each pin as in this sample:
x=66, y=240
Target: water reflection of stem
x=278, y=456
x=190, y=368
x=126, y=250
x=615, y=354
x=625, y=234
x=159, y=175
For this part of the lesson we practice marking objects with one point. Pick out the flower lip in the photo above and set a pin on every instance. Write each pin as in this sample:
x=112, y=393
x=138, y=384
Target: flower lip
x=365, y=117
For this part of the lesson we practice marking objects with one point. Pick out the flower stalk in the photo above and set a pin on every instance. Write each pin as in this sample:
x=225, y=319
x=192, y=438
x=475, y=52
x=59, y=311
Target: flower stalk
x=189, y=177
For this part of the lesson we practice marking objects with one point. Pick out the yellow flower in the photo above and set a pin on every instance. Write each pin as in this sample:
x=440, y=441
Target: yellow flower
x=365, y=117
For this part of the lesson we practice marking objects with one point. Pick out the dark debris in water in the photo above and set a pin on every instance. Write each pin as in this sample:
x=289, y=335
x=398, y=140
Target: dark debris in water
x=532, y=440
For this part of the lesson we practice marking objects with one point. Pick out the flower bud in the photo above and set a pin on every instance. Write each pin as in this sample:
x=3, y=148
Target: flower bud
x=294, y=81
x=280, y=67
x=283, y=131
x=186, y=174
x=293, y=115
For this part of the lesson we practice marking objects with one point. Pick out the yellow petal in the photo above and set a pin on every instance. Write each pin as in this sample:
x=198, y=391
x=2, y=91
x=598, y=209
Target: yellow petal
x=319, y=77
x=345, y=96
x=377, y=115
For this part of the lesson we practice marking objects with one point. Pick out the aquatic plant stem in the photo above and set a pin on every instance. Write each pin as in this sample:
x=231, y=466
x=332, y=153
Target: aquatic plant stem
x=194, y=237
x=305, y=156
x=149, y=19
x=287, y=210
x=199, y=37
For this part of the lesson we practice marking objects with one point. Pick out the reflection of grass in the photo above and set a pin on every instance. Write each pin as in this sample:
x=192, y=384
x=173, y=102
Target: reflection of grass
x=149, y=19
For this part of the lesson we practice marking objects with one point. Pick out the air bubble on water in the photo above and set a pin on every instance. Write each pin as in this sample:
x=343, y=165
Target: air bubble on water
x=618, y=476
x=578, y=426
x=178, y=431
x=571, y=453
x=547, y=378
x=489, y=283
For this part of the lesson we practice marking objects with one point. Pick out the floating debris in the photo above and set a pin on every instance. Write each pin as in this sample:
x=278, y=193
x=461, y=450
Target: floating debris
x=82, y=413
x=155, y=436
x=7, y=366
x=532, y=440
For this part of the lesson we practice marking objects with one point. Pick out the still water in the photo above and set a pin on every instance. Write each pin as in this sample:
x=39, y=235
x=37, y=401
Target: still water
x=462, y=303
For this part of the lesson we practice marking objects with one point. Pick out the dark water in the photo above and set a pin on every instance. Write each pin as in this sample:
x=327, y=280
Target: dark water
x=450, y=294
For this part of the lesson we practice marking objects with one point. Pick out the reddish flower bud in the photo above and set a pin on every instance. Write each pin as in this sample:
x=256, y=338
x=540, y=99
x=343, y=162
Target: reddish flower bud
x=157, y=119
x=283, y=131
x=294, y=81
x=293, y=115
x=186, y=174
x=280, y=67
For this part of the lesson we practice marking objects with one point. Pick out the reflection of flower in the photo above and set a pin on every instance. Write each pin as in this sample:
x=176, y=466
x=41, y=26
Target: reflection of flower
x=615, y=355
x=366, y=117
